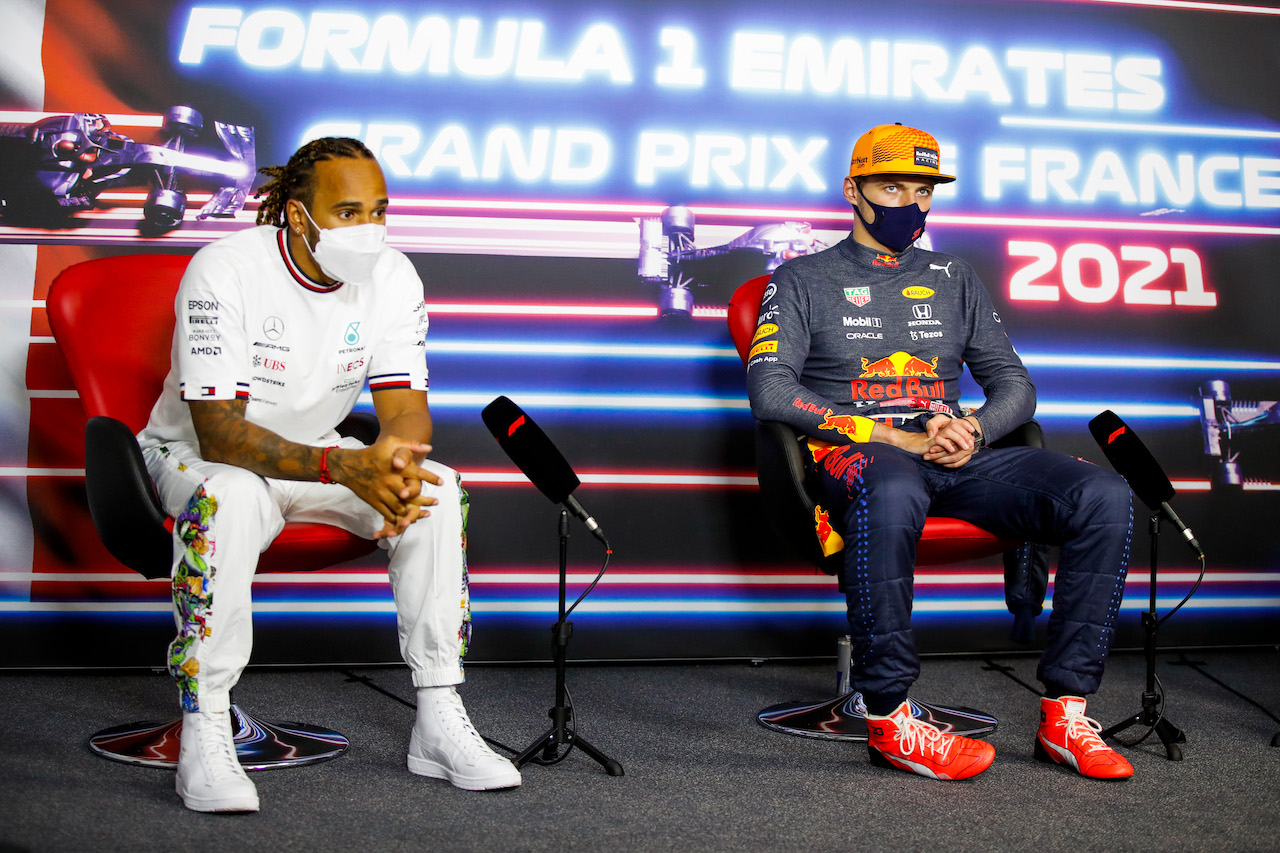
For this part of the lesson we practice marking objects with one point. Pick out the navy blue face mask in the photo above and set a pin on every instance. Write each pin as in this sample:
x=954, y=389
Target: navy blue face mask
x=894, y=227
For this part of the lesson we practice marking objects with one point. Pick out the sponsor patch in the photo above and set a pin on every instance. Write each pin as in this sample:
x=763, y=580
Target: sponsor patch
x=858, y=295
x=765, y=331
x=917, y=292
x=885, y=261
x=926, y=157
x=763, y=346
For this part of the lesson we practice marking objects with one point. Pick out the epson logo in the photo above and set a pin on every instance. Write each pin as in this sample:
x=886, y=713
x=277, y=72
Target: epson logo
x=870, y=322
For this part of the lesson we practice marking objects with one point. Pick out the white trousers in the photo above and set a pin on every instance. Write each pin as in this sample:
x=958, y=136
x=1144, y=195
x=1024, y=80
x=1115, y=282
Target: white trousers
x=226, y=517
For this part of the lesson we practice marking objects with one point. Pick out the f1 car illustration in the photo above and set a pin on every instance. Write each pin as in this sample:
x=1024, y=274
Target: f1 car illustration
x=1223, y=422
x=669, y=258
x=57, y=166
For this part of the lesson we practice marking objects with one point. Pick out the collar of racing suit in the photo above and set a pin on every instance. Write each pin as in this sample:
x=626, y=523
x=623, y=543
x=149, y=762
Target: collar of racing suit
x=881, y=261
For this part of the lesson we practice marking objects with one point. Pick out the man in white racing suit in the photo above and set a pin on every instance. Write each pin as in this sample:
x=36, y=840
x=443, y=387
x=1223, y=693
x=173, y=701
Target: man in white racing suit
x=278, y=328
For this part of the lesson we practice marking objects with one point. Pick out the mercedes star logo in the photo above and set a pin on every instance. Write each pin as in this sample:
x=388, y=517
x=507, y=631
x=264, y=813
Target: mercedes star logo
x=273, y=328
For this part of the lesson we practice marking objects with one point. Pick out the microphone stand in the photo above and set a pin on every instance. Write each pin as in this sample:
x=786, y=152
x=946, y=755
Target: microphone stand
x=1151, y=715
x=561, y=731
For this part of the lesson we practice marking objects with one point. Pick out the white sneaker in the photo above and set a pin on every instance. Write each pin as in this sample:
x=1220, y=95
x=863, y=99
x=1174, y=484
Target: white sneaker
x=210, y=778
x=444, y=745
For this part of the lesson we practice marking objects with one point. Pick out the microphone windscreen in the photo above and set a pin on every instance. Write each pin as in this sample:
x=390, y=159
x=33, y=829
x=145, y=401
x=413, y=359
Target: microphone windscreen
x=530, y=448
x=1131, y=459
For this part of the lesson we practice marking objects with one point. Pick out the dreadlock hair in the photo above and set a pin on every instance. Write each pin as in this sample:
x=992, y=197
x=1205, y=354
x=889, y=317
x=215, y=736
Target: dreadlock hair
x=295, y=178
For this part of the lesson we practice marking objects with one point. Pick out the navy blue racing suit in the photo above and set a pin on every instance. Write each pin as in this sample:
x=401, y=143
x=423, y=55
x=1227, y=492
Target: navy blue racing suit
x=849, y=336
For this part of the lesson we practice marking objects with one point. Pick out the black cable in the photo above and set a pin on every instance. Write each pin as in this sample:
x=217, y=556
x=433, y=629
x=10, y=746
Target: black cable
x=1160, y=694
x=569, y=729
x=1159, y=716
x=1185, y=662
x=1186, y=597
x=368, y=682
x=600, y=574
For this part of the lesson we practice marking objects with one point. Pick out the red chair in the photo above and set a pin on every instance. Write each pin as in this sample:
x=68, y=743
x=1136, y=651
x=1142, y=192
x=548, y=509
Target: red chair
x=113, y=319
x=794, y=513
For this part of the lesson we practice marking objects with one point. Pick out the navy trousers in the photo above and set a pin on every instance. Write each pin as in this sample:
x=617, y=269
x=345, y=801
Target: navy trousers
x=883, y=495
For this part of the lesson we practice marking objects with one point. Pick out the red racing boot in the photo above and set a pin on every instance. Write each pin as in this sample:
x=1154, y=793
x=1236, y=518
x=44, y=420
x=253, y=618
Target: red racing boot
x=902, y=741
x=1068, y=737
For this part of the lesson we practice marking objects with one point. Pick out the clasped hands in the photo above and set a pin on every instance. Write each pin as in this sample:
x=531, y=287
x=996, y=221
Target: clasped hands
x=948, y=441
x=386, y=475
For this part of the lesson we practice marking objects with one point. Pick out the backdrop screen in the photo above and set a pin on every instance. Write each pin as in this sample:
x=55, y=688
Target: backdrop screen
x=581, y=186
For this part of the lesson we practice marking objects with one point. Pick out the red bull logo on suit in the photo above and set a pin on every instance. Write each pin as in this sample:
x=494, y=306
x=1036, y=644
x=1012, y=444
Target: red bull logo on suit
x=904, y=367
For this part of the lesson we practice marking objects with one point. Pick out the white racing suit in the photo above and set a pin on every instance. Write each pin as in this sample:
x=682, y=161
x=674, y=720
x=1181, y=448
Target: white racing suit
x=226, y=516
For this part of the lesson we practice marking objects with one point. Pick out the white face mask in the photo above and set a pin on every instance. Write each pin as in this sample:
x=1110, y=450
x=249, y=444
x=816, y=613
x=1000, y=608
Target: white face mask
x=347, y=254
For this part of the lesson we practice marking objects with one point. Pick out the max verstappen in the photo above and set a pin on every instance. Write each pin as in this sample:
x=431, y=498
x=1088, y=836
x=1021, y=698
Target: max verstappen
x=860, y=348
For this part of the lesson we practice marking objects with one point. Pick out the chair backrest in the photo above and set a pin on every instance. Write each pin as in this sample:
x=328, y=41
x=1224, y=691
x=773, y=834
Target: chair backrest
x=779, y=465
x=113, y=319
x=744, y=311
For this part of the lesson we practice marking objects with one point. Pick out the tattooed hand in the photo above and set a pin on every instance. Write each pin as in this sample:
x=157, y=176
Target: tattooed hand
x=386, y=476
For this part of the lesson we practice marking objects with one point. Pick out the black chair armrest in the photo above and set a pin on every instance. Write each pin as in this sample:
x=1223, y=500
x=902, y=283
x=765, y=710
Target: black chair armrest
x=122, y=500
x=1027, y=435
x=361, y=425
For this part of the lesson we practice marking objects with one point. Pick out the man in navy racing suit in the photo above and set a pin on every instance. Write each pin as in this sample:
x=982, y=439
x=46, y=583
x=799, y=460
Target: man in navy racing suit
x=860, y=348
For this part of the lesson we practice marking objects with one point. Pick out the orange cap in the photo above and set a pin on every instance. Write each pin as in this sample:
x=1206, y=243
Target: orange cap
x=891, y=149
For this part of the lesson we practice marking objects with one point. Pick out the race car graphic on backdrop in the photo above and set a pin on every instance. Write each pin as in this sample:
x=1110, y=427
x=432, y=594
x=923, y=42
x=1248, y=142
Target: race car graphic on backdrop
x=53, y=168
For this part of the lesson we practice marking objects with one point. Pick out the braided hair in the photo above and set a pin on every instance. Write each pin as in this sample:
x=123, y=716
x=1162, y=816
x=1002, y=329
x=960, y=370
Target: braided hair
x=295, y=178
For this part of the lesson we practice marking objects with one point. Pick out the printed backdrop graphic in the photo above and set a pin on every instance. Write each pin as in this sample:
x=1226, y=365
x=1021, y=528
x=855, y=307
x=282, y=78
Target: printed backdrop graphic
x=581, y=186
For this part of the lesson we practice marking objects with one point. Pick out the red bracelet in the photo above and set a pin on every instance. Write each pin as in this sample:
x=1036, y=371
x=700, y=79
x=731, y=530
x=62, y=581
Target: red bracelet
x=324, y=465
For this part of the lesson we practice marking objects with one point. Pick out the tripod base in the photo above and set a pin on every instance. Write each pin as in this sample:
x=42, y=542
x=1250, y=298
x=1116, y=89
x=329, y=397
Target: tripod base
x=1170, y=735
x=557, y=735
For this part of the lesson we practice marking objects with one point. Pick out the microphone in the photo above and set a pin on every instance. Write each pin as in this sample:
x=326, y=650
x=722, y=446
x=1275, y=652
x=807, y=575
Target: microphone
x=1131, y=459
x=536, y=456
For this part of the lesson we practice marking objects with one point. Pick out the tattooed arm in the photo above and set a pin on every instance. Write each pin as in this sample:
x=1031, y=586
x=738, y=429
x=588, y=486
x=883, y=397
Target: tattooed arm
x=385, y=475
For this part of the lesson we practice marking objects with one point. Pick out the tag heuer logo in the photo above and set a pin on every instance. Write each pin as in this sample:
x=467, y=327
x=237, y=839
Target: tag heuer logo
x=858, y=295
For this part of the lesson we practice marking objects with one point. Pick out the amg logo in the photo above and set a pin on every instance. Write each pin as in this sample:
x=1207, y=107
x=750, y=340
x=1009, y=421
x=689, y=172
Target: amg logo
x=870, y=322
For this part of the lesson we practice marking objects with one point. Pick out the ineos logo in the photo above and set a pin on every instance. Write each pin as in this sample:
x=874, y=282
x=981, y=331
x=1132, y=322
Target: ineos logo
x=273, y=328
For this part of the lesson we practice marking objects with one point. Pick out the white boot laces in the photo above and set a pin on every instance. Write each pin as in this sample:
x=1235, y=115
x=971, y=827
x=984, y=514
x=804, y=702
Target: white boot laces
x=217, y=744
x=914, y=735
x=1084, y=730
x=458, y=727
